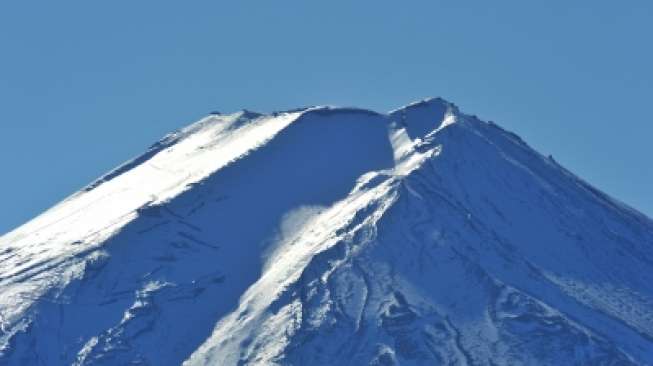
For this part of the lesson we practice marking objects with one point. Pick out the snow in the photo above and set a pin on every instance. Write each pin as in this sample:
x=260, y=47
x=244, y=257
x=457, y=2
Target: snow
x=329, y=236
x=87, y=219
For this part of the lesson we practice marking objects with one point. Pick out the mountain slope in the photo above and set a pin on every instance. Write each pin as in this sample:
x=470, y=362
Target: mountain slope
x=332, y=236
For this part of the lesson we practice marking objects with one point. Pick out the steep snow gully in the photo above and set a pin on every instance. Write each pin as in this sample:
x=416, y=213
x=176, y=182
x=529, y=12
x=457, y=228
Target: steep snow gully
x=332, y=236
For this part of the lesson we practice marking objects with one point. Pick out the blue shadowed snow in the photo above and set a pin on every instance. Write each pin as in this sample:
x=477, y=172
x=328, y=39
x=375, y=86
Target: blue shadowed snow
x=333, y=236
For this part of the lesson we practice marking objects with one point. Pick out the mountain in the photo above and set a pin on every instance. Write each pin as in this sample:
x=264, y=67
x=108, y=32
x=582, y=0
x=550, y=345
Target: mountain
x=332, y=236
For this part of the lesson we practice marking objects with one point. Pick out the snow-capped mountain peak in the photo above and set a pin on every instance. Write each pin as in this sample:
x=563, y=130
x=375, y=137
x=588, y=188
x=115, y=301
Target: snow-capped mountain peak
x=326, y=236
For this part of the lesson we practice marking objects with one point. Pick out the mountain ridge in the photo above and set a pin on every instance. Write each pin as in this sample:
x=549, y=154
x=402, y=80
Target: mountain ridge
x=332, y=235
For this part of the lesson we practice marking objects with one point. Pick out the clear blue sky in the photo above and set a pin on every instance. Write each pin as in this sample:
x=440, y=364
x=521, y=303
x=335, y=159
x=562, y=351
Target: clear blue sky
x=85, y=85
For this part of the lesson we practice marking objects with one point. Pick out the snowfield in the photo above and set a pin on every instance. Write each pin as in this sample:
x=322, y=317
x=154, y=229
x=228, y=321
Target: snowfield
x=332, y=236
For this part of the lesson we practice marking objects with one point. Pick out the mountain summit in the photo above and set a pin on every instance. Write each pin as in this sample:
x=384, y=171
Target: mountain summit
x=332, y=236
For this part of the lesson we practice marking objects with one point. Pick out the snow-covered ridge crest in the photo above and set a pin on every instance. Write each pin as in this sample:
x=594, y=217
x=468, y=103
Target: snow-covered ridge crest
x=90, y=217
x=328, y=235
x=52, y=249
